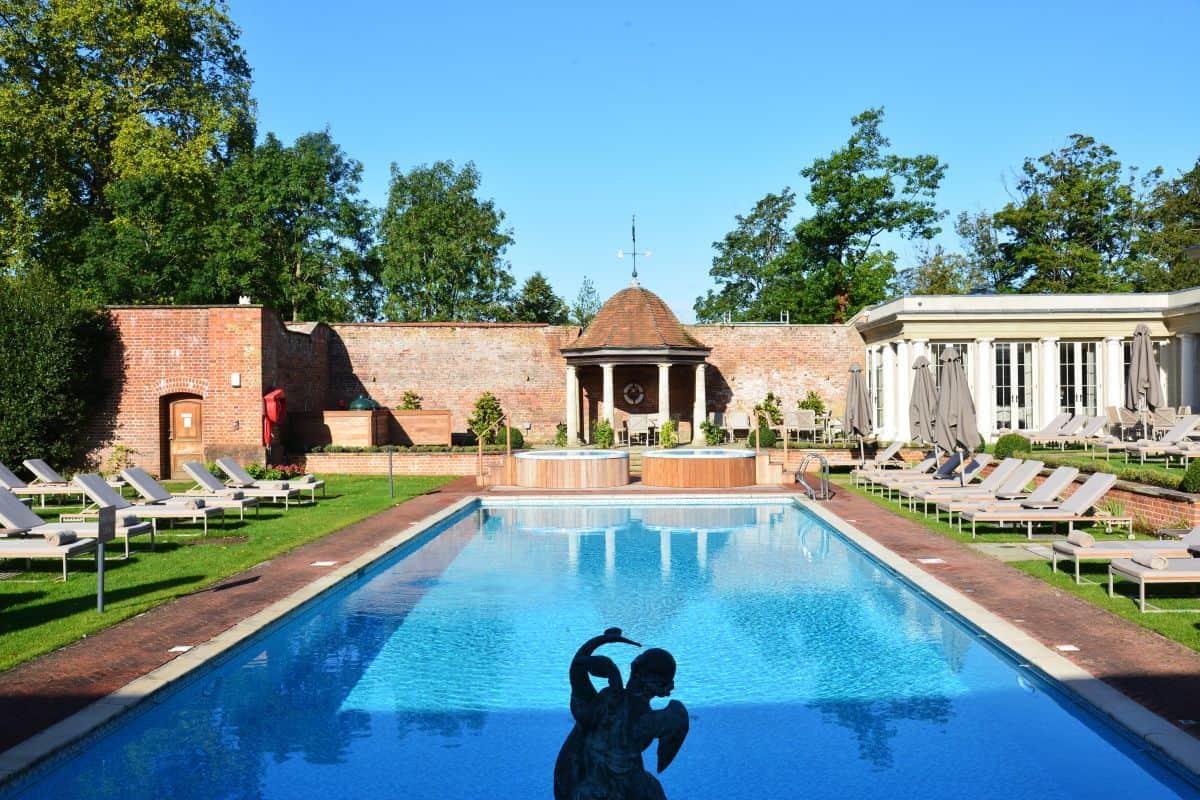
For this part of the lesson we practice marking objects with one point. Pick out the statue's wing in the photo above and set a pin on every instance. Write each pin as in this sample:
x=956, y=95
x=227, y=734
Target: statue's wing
x=672, y=728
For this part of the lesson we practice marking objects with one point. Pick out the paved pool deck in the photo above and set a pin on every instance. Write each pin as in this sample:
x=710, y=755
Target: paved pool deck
x=1162, y=675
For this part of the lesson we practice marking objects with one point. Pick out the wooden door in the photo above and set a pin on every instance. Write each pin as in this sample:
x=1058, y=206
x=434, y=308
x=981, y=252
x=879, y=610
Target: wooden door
x=186, y=437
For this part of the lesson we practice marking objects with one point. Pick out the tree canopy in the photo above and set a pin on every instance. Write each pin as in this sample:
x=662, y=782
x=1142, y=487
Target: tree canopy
x=441, y=247
x=586, y=305
x=537, y=302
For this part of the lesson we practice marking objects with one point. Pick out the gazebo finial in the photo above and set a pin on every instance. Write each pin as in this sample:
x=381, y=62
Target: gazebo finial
x=634, y=253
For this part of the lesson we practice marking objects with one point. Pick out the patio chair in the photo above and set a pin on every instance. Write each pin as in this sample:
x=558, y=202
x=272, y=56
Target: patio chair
x=238, y=478
x=104, y=496
x=1081, y=546
x=207, y=483
x=637, y=427
x=1074, y=509
x=12, y=483
x=800, y=422
x=1144, y=569
x=16, y=517
x=154, y=493
x=737, y=421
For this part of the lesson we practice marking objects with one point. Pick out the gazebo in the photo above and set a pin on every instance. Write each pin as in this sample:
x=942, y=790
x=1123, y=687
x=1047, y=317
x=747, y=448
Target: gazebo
x=612, y=366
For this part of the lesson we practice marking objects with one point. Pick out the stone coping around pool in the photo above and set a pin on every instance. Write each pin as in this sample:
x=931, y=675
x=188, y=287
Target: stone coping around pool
x=1159, y=734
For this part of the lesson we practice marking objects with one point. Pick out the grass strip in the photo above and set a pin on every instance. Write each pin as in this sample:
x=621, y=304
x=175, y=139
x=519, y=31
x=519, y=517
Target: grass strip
x=40, y=613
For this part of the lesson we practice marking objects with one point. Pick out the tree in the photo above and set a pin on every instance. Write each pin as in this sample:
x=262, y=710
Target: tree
x=984, y=253
x=938, y=272
x=441, y=247
x=859, y=193
x=537, y=302
x=1173, y=225
x=292, y=234
x=586, y=305
x=100, y=98
x=1073, y=225
x=747, y=262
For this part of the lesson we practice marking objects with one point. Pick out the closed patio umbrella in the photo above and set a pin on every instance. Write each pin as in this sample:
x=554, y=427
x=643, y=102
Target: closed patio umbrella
x=858, y=409
x=1142, y=388
x=955, y=426
x=923, y=402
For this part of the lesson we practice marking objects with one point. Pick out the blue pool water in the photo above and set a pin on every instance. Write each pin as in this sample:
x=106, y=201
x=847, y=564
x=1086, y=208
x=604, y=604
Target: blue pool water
x=808, y=671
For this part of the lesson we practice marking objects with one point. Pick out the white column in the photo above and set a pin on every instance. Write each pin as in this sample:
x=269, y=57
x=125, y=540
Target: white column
x=886, y=427
x=572, y=406
x=903, y=390
x=700, y=406
x=984, y=389
x=1187, y=369
x=609, y=408
x=664, y=393
x=1114, y=372
x=1048, y=378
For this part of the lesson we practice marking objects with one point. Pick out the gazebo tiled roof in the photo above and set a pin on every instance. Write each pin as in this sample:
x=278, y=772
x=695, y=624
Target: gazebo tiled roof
x=635, y=319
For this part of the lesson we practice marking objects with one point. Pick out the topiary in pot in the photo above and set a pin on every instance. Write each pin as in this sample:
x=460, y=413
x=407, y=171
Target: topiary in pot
x=1011, y=443
x=1191, y=479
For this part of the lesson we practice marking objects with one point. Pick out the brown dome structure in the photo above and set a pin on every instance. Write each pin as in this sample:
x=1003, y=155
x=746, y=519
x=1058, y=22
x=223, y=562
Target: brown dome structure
x=620, y=369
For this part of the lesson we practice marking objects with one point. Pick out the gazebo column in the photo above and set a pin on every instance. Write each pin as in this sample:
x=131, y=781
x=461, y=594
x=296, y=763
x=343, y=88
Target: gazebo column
x=572, y=406
x=700, y=407
x=664, y=394
x=610, y=408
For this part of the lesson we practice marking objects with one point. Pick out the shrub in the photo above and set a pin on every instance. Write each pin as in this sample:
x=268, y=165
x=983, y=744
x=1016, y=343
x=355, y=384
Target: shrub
x=713, y=433
x=517, y=439
x=52, y=348
x=560, y=435
x=812, y=402
x=770, y=408
x=484, y=420
x=120, y=458
x=1010, y=444
x=602, y=434
x=768, y=437
x=1191, y=479
x=411, y=401
x=215, y=471
x=667, y=437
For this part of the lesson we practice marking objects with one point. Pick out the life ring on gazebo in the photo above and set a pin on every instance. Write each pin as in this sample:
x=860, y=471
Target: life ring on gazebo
x=634, y=394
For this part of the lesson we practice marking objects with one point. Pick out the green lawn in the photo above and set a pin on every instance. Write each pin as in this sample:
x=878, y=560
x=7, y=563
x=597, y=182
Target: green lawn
x=1182, y=627
x=39, y=612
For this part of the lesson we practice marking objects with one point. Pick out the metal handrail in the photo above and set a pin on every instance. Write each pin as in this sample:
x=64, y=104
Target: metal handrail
x=823, y=474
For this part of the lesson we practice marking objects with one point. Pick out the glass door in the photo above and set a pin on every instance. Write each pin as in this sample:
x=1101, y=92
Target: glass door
x=1014, y=385
x=1078, y=381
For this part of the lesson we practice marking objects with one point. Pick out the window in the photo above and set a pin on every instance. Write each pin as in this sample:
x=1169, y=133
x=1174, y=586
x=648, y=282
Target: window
x=1014, y=385
x=876, y=387
x=935, y=359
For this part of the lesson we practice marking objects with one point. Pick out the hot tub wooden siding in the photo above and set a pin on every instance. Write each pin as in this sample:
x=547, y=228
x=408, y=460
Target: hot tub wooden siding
x=572, y=473
x=698, y=473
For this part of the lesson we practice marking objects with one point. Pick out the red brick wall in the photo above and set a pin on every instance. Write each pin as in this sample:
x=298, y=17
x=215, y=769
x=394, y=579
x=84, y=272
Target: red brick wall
x=164, y=351
x=402, y=463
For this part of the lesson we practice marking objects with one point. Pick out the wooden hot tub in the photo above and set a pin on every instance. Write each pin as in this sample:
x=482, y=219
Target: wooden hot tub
x=572, y=469
x=698, y=469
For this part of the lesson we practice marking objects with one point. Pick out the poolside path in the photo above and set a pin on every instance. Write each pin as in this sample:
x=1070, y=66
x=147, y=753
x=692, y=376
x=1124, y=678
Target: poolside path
x=41, y=692
x=1162, y=675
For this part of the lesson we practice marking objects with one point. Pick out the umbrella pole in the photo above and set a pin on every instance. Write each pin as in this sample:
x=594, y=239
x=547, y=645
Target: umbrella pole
x=962, y=470
x=862, y=451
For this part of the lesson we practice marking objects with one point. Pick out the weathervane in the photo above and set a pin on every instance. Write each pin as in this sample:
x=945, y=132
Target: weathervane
x=634, y=253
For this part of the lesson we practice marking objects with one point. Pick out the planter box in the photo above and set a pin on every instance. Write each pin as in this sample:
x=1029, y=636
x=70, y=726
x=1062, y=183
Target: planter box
x=355, y=428
x=420, y=427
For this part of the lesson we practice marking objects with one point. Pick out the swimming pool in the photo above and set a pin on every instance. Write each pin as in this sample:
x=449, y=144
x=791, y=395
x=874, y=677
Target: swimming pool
x=807, y=668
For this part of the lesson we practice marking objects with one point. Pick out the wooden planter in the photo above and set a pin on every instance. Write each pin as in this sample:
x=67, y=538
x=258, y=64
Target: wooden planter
x=423, y=426
x=357, y=428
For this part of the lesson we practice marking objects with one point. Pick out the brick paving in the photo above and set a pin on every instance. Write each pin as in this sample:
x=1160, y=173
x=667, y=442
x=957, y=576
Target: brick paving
x=1161, y=674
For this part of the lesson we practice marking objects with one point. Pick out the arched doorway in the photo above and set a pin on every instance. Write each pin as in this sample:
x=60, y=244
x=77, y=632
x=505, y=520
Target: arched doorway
x=181, y=432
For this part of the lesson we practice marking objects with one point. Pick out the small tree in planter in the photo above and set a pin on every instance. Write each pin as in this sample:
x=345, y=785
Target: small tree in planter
x=667, y=437
x=602, y=434
x=560, y=435
x=713, y=433
x=411, y=401
x=812, y=402
x=483, y=422
x=770, y=409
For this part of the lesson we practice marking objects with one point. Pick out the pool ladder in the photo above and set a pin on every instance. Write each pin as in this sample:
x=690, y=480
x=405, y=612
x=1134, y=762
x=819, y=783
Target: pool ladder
x=821, y=491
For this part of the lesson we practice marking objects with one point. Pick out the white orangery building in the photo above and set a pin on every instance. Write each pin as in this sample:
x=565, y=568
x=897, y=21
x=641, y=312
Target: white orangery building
x=1028, y=357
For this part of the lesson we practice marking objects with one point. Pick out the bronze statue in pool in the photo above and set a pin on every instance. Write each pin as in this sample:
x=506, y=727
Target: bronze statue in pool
x=602, y=756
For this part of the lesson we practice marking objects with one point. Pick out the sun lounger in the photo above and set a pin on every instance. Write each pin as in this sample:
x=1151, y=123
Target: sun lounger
x=971, y=472
x=40, y=548
x=1045, y=495
x=10, y=481
x=1081, y=547
x=986, y=487
x=1053, y=426
x=1011, y=484
x=1178, y=433
x=1071, y=426
x=924, y=467
x=154, y=493
x=14, y=515
x=1074, y=509
x=207, y=483
x=104, y=496
x=887, y=478
x=1092, y=431
x=240, y=479
x=880, y=461
x=1164, y=570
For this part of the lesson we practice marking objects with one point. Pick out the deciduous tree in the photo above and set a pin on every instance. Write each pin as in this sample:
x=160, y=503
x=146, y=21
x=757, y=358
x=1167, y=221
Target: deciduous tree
x=1172, y=226
x=441, y=247
x=586, y=305
x=938, y=271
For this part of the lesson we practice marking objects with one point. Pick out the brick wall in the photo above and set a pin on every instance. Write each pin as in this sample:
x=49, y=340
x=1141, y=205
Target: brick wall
x=402, y=463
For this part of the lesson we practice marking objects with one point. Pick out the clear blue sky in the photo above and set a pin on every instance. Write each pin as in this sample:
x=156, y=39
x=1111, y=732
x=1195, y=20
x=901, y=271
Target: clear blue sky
x=686, y=114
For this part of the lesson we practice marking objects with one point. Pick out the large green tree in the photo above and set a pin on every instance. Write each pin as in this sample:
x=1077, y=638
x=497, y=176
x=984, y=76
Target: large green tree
x=441, y=247
x=747, y=264
x=1172, y=226
x=114, y=113
x=938, y=271
x=859, y=193
x=1074, y=223
x=292, y=233
x=537, y=302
